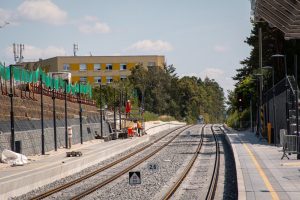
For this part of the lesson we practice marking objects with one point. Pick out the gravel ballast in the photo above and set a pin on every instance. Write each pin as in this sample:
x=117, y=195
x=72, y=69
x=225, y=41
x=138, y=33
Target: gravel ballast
x=170, y=160
x=89, y=169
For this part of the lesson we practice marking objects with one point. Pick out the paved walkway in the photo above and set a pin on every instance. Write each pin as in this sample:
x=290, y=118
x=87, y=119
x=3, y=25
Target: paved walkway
x=261, y=172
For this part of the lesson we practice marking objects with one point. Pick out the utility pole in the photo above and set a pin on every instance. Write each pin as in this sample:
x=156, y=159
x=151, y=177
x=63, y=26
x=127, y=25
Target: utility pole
x=66, y=116
x=80, y=116
x=115, y=121
x=12, y=119
x=75, y=49
x=251, y=121
x=120, y=109
x=297, y=101
x=18, y=52
x=54, y=116
x=260, y=125
x=42, y=116
x=101, y=114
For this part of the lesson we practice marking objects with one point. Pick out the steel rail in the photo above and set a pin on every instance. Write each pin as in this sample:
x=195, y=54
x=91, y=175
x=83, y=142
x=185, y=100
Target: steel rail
x=71, y=183
x=187, y=169
x=214, y=180
x=127, y=169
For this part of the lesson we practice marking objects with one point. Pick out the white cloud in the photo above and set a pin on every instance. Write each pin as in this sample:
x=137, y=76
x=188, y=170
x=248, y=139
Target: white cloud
x=42, y=10
x=212, y=73
x=220, y=49
x=7, y=16
x=32, y=53
x=92, y=25
x=149, y=45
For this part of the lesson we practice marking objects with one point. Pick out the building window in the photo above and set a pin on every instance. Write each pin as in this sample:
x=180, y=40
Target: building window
x=108, y=66
x=97, y=67
x=83, y=79
x=109, y=79
x=151, y=64
x=123, y=66
x=82, y=67
x=66, y=67
x=123, y=77
x=97, y=79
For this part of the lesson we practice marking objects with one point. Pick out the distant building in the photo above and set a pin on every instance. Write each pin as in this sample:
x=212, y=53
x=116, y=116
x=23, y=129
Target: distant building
x=96, y=69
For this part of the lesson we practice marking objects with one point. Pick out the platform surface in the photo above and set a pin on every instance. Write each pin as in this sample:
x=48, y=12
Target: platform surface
x=261, y=172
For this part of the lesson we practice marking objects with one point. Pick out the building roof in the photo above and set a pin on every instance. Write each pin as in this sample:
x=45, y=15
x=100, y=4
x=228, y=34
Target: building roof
x=282, y=14
x=118, y=56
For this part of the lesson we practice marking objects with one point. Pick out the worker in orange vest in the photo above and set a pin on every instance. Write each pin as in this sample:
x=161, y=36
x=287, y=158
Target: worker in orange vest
x=139, y=127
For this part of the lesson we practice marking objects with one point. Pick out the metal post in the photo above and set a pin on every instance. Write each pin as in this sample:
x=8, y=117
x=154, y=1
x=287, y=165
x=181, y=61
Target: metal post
x=101, y=114
x=80, y=116
x=120, y=107
x=260, y=125
x=115, y=125
x=125, y=101
x=257, y=109
x=274, y=107
x=66, y=116
x=54, y=117
x=143, y=107
x=260, y=81
x=42, y=115
x=286, y=98
x=251, y=118
x=12, y=119
x=297, y=101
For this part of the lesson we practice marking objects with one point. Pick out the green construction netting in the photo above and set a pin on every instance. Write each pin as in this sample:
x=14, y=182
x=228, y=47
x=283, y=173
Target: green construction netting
x=26, y=76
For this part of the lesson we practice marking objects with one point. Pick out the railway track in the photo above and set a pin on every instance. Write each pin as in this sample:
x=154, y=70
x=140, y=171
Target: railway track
x=89, y=175
x=173, y=189
x=214, y=178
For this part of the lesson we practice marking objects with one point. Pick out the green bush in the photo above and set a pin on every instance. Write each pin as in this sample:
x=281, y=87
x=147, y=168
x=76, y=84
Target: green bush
x=239, y=120
x=149, y=116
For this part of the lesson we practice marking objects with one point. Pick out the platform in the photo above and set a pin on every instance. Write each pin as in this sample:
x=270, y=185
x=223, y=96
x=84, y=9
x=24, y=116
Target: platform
x=261, y=172
x=45, y=169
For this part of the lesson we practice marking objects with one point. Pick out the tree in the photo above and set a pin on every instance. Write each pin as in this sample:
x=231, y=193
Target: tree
x=164, y=93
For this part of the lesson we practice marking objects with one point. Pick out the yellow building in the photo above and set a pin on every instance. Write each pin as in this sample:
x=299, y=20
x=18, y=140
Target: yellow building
x=97, y=69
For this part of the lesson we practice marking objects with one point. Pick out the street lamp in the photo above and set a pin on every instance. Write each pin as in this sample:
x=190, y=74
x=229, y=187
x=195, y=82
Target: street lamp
x=273, y=94
x=260, y=76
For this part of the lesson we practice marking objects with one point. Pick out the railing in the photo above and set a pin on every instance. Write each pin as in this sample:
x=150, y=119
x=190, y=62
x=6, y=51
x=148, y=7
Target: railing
x=28, y=91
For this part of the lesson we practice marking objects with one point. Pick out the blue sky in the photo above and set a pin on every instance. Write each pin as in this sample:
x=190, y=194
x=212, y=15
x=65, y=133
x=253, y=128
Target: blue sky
x=201, y=38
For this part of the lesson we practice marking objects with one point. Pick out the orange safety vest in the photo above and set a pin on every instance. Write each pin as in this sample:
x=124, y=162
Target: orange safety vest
x=139, y=125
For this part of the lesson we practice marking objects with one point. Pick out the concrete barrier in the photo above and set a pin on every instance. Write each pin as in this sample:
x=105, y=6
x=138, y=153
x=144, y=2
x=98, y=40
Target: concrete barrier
x=239, y=174
x=31, y=139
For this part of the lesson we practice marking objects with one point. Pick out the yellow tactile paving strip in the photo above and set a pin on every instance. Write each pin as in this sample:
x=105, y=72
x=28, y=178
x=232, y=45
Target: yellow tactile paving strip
x=262, y=174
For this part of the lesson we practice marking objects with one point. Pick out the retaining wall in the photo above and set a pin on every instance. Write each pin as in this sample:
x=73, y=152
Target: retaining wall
x=31, y=139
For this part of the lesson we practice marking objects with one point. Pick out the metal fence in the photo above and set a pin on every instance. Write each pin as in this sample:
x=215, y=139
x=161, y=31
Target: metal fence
x=290, y=143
